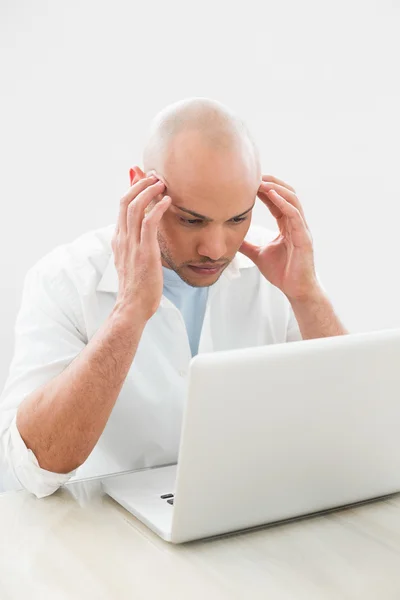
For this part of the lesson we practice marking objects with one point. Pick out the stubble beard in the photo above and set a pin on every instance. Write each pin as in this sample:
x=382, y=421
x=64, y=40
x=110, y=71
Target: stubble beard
x=166, y=257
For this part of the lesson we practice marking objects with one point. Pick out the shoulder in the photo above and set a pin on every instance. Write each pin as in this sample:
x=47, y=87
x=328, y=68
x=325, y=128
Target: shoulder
x=80, y=262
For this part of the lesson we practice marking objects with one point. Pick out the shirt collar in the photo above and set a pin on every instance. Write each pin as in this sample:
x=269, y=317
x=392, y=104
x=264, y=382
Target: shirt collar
x=109, y=279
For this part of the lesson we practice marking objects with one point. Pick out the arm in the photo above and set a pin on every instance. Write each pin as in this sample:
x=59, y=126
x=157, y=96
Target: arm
x=288, y=263
x=316, y=317
x=62, y=421
x=62, y=389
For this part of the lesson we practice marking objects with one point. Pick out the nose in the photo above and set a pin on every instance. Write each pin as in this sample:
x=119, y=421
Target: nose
x=213, y=245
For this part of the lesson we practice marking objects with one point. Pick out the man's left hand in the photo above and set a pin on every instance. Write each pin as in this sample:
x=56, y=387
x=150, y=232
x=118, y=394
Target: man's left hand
x=287, y=261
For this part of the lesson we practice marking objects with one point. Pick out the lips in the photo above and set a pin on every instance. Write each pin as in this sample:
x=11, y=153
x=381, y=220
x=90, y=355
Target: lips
x=204, y=266
x=206, y=269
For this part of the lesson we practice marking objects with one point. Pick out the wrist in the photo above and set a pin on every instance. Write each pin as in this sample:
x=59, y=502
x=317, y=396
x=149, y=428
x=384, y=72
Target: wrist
x=130, y=311
x=314, y=295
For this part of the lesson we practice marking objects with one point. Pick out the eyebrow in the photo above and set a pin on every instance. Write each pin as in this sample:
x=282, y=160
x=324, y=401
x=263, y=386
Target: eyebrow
x=204, y=218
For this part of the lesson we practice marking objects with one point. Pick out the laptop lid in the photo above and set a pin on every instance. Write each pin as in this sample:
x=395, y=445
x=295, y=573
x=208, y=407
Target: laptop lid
x=275, y=432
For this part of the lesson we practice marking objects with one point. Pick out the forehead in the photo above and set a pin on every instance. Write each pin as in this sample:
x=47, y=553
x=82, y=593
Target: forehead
x=211, y=184
x=216, y=202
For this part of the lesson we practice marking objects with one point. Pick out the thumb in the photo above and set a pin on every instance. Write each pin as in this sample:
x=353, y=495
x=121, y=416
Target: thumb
x=250, y=250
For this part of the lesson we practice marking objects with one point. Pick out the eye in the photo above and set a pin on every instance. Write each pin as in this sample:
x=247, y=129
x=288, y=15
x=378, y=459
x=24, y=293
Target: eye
x=238, y=220
x=190, y=221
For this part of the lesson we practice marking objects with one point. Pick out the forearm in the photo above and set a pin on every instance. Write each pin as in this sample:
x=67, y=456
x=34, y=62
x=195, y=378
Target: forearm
x=316, y=317
x=62, y=421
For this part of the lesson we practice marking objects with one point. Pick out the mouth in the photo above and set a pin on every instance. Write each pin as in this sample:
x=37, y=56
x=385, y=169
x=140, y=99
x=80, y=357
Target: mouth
x=206, y=270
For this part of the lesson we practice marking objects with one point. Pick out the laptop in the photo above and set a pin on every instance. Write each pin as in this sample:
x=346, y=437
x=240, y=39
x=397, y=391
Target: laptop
x=276, y=432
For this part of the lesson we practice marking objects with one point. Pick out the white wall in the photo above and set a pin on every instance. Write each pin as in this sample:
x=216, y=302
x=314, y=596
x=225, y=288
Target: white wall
x=317, y=82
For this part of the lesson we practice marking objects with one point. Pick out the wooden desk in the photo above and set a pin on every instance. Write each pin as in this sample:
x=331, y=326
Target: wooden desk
x=79, y=543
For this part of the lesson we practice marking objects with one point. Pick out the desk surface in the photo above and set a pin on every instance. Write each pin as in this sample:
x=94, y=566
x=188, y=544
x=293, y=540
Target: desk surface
x=79, y=543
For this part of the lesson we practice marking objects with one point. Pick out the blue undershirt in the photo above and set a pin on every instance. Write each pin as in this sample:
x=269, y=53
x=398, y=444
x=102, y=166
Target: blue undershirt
x=190, y=301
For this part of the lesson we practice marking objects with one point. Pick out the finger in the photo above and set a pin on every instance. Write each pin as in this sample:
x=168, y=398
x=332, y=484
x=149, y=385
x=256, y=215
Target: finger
x=284, y=193
x=273, y=179
x=137, y=207
x=250, y=250
x=287, y=209
x=133, y=191
x=152, y=220
x=273, y=209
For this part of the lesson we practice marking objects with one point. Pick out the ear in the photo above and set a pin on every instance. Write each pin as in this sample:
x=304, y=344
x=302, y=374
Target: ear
x=135, y=174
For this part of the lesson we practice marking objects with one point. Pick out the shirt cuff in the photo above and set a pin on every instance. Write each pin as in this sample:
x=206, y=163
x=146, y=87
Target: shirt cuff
x=26, y=468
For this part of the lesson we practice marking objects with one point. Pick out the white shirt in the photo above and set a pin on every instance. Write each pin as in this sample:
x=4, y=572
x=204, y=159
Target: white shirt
x=191, y=301
x=67, y=296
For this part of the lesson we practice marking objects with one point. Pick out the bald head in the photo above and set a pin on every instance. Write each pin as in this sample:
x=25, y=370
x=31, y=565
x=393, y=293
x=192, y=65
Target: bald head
x=201, y=123
x=211, y=170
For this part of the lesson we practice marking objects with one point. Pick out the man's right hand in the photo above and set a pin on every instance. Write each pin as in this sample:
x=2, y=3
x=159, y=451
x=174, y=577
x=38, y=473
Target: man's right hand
x=137, y=254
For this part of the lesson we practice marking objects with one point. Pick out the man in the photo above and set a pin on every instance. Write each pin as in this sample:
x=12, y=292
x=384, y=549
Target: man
x=109, y=323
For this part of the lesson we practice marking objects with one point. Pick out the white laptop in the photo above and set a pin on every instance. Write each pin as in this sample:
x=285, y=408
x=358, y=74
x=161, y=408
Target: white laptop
x=276, y=432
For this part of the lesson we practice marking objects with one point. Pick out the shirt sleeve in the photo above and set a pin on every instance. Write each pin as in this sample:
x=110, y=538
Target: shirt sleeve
x=25, y=470
x=48, y=336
